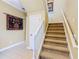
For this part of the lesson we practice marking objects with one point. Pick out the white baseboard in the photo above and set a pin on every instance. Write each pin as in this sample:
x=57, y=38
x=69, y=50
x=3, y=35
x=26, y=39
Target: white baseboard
x=29, y=48
x=11, y=46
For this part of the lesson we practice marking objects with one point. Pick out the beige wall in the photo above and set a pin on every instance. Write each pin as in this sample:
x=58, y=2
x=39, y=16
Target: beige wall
x=13, y=36
x=71, y=13
x=56, y=16
x=38, y=39
x=28, y=22
x=33, y=7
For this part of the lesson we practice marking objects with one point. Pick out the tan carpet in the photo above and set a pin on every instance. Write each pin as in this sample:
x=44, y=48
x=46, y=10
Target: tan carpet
x=55, y=44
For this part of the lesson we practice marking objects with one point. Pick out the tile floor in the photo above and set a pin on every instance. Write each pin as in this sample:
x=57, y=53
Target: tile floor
x=18, y=52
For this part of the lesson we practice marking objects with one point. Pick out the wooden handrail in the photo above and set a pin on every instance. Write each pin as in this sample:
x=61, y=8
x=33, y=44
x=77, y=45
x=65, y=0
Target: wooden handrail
x=71, y=31
x=73, y=39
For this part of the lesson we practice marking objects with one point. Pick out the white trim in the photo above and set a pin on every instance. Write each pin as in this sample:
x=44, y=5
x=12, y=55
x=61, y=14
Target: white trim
x=11, y=46
x=38, y=52
x=12, y=5
x=38, y=27
x=41, y=43
x=69, y=31
x=29, y=48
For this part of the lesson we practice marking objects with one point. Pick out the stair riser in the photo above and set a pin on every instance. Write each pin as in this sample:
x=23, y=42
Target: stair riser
x=54, y=43
x=58, y=33
x=54, y=27
x=57, y=50
x=42, y=57
x=57, y=38
x=56, y=24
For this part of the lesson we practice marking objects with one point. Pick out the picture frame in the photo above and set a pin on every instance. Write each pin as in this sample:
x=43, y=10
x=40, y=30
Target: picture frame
x=14, y=23
x=50, y=7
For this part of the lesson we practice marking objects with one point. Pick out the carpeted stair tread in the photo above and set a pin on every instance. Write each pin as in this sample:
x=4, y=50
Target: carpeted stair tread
x=55, y=24
x=58, y=48
x=55, y=38
x=55, y=45
x=55, y=35
x=51, y=30
x=56, y=32
x=55, y=27
x=56, y=41
x=46, y=54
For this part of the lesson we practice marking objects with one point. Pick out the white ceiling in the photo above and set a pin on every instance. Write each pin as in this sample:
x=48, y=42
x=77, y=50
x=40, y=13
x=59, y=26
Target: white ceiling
x=15, y=3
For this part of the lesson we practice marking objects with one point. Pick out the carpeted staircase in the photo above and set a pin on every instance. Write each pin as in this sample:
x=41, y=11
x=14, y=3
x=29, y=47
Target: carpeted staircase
x=55, y=44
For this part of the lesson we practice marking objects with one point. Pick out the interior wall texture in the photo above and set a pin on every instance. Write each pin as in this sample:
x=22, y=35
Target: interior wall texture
x=9, y=37
x=34, y=7
x=71, y=13
x=56, y=15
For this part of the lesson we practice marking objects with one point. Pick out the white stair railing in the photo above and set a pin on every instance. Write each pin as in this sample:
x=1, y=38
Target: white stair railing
x=39, y=39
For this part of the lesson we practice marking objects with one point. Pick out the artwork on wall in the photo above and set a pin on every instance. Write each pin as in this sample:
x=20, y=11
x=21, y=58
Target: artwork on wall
x=50, y=7
x=14, y=23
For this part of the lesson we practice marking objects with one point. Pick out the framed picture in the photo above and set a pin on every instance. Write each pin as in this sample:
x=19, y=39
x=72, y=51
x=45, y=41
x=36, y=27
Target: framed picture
x=50, y=7
x=14, y=23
